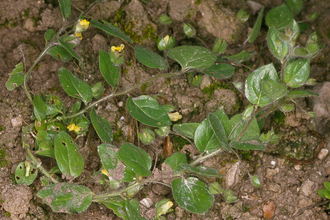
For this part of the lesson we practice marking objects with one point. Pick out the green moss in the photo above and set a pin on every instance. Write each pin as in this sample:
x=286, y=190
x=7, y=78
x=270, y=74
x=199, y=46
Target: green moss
x=118, y=135
x=216, y=85
x=197, y=2
x=3, y=160
x=144, y=87
x=26, y=13
x=2, y=128
x=246, y=155
x=7, y=214
x=149, y=32
x=278, y=118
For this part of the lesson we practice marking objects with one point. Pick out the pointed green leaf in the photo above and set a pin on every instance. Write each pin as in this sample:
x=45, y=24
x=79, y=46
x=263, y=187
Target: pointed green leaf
x=219, y=46
x=327, y=185
x=74, y=86
x=275, y=90
x=66, y=197
x=242, y=16
x=256, y=28
x=256, y=181
x=189, y=30
x=215, y=188
x=201, y=170
x=278, y=47
x=175, y=160
x=102, y=127
x=26, y=172
x=192, y=195
x=192, y=57
x=297, y=73
x=240, y=57
x=279, y=18
x=150, y=58
x=295, y=6
x=16, y=77
x=253, y=85
x=117, y=205
x=164, y=19
x=220, y=70
x=301, y=52
x=247, y=146
x=109, y=71
x=301, y=93
x=65, y=7
x=68, y=48
x=205, y=139
x=219, y=130
x=132, y=209
x=39, y=108
x=135, y=158
x=147, y=111
x=58, y=52
x=49, y=35
x=110, y=29
x=320, y=192
x=251, y=133
x=187, y=129
x=108, y=156
x=68, y=157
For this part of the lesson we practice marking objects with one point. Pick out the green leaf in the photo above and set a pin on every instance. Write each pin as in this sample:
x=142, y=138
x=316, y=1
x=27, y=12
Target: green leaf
x=49, y=35
x=175, y=160
x=189, y=30
x=220, y=113
x=68, y=157
x=327, y=185
x=253, y=85
x=129, y=175
x=296, y=73
x=68, y=48
x=274, y=90
x=76, y=106
x=256, y=181
x=321, y=192
x=147, y=111
x=110, y=29
x=215, y=188
x=251, y=133
x=279, y=18
x=301, y=52
x=135, y=158
x=74, y=86
x=192, y=57
x=147, y=136
x=44, y=144
x=220, y=70
x=230, y=196
x=201, y=170
x=132, y=209
x=117, y=205
x=164, y=19
x=219, y=46
x=256, y=28
x=16, y=77
x=39, y=108
x=26, y=172
x=150, y=58
x=242, y=16
x=247, y=146
x=295, y=6
x=54, y=105
x=192, y=195
x=58, y=52
x=102, y=127
x=205, y=139
x=240, y=57
x=219, y=130
x=187, y=129
x=65, y=7
x=301, y=93
x=109, y=71
x=327, y=194
x=162, y=131
x=66, y=197
x=108, y=156
x=278, y=47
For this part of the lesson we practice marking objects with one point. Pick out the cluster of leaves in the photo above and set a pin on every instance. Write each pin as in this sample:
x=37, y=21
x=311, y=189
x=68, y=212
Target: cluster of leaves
x=325, y=192
x=265, y=88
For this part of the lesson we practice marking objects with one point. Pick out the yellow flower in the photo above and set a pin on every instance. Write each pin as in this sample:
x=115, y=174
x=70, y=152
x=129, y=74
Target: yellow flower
x=105, y=172
x=174, y=116
x=78, y=34
x=84, y=23
x=73, y=127
x=166, y=39
x=165, y=208
x=119, y=49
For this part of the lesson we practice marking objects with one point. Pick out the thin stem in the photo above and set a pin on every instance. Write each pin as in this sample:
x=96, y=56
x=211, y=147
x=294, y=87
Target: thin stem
x=197, y=161
x=98, y=198
x=165, y=75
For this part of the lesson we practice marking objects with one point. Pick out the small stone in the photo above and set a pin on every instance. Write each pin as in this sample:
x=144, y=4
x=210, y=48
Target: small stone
x=255, y=6
x=269, y=210
x=297, y=167
x=274, y=187
x=99, y=42
x=29, y=25
x=231, y=175
x=270, y=173
x=147, y=202
x=323, y=153
x=16, y=122
x=307, y=187
x=206, y=82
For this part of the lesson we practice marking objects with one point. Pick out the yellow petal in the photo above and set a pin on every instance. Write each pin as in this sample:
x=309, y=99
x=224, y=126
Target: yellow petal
x=78, y=34
x=105, y=172
x=84, y=23
x=166, y=39
x=165, y=208
x=113, y=49
x=76, y=128
x=71, y=127
x=175, y=116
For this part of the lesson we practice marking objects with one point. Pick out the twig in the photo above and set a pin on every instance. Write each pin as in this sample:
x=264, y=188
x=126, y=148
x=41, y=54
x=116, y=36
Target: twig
x=302, y=210
x=250, y=210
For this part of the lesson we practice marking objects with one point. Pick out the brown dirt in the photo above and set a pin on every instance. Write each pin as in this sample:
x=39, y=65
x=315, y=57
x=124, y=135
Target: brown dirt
x=291, y=188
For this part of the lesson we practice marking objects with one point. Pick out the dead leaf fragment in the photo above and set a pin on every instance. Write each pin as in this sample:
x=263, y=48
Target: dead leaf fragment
x=269, y=209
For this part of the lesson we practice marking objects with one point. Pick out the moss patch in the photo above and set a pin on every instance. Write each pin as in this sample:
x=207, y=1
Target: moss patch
x=3, y=160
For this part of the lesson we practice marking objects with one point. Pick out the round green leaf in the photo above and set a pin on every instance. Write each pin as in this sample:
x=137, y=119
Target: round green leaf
x=220, y=70
x=251, y=133
x=108, y=156
x=187, y=129
x=192, y=57
x=279, y=17
x=297, y=73
x=295, y=6
x=68, y=157
x=74, y=86
x=102, y=127
x=253, y=85
x=58, y=52
x=16, y=77
x=147, y=136
x=150, y=58
x=192, y=195
x=66, y=197
x=108, y=70
x=164, y=19
x=256, y=181
x=117, y=205
x=274, y=90
x=26, y=172
x=49, y=34
x=278, y=47
x=135, y=158
x=175, y=160
x=205, y=139
x=147, y=111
